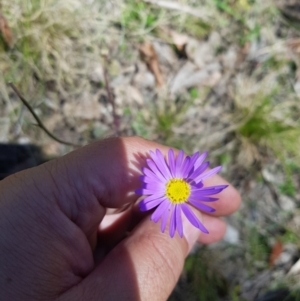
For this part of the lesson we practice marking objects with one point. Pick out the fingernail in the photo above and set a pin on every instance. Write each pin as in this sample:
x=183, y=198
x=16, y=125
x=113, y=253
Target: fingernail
x=190, y=232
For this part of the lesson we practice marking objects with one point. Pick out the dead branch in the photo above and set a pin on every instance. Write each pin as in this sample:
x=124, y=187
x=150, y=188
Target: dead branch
x=38, y=120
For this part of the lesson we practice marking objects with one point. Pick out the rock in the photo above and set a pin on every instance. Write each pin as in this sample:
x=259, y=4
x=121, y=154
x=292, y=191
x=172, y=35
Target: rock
x=285, y=259
x=287, y=203
x=232, y=235
x=190, y=76
x=268, y=175
x=97, y=74
x=295, y=269
x=200, y=53
x=24, y=140
x=165, y=54
x=144, y=79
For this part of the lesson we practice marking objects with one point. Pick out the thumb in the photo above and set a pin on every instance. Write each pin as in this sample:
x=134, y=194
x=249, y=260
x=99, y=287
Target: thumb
x=145, y=266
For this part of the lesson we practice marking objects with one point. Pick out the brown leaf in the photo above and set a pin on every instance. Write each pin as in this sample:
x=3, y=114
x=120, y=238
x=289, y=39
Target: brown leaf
x=6, y=31
x=149, y=55
x=276, y=252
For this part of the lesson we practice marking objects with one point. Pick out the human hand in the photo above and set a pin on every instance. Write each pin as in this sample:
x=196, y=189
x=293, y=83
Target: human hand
x=51, y=244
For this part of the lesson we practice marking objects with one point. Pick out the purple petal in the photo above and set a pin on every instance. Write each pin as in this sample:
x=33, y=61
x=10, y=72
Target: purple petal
x=200, y=160
x=139, y=191
x=196, y=193
x=164, y=219
x=143, y=178
x=154, y=186
x=173, y=222
x=178, y=163
x=143, y=191
x=148, y=205
x=163, y=166
x=156, y=171
x=152, y=197
x=202, y=207
x=149, y=174
x=179, y=220
x=202, y=199
x=149, y=180
x=208, y=174
x=172, y=162
x=185, y=166
x=199, y=170
x=194, y=158
x=193, y=218
x=196, y=185
x=159, y=211
x=158, y=164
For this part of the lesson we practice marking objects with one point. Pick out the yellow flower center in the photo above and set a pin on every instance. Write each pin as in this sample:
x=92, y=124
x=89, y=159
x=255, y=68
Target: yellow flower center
x=178, y=191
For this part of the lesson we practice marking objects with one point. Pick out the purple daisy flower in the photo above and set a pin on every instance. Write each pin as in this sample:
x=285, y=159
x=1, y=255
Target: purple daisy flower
x=174, y=184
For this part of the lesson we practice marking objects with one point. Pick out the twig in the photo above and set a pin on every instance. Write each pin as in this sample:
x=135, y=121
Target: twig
x=112, y=102
x=182, y=8
x=38, y=120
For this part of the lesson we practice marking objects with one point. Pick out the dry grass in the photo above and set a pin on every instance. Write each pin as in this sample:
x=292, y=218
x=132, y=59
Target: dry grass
x=45, y=33
x=266, y=118
x=55, y=46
